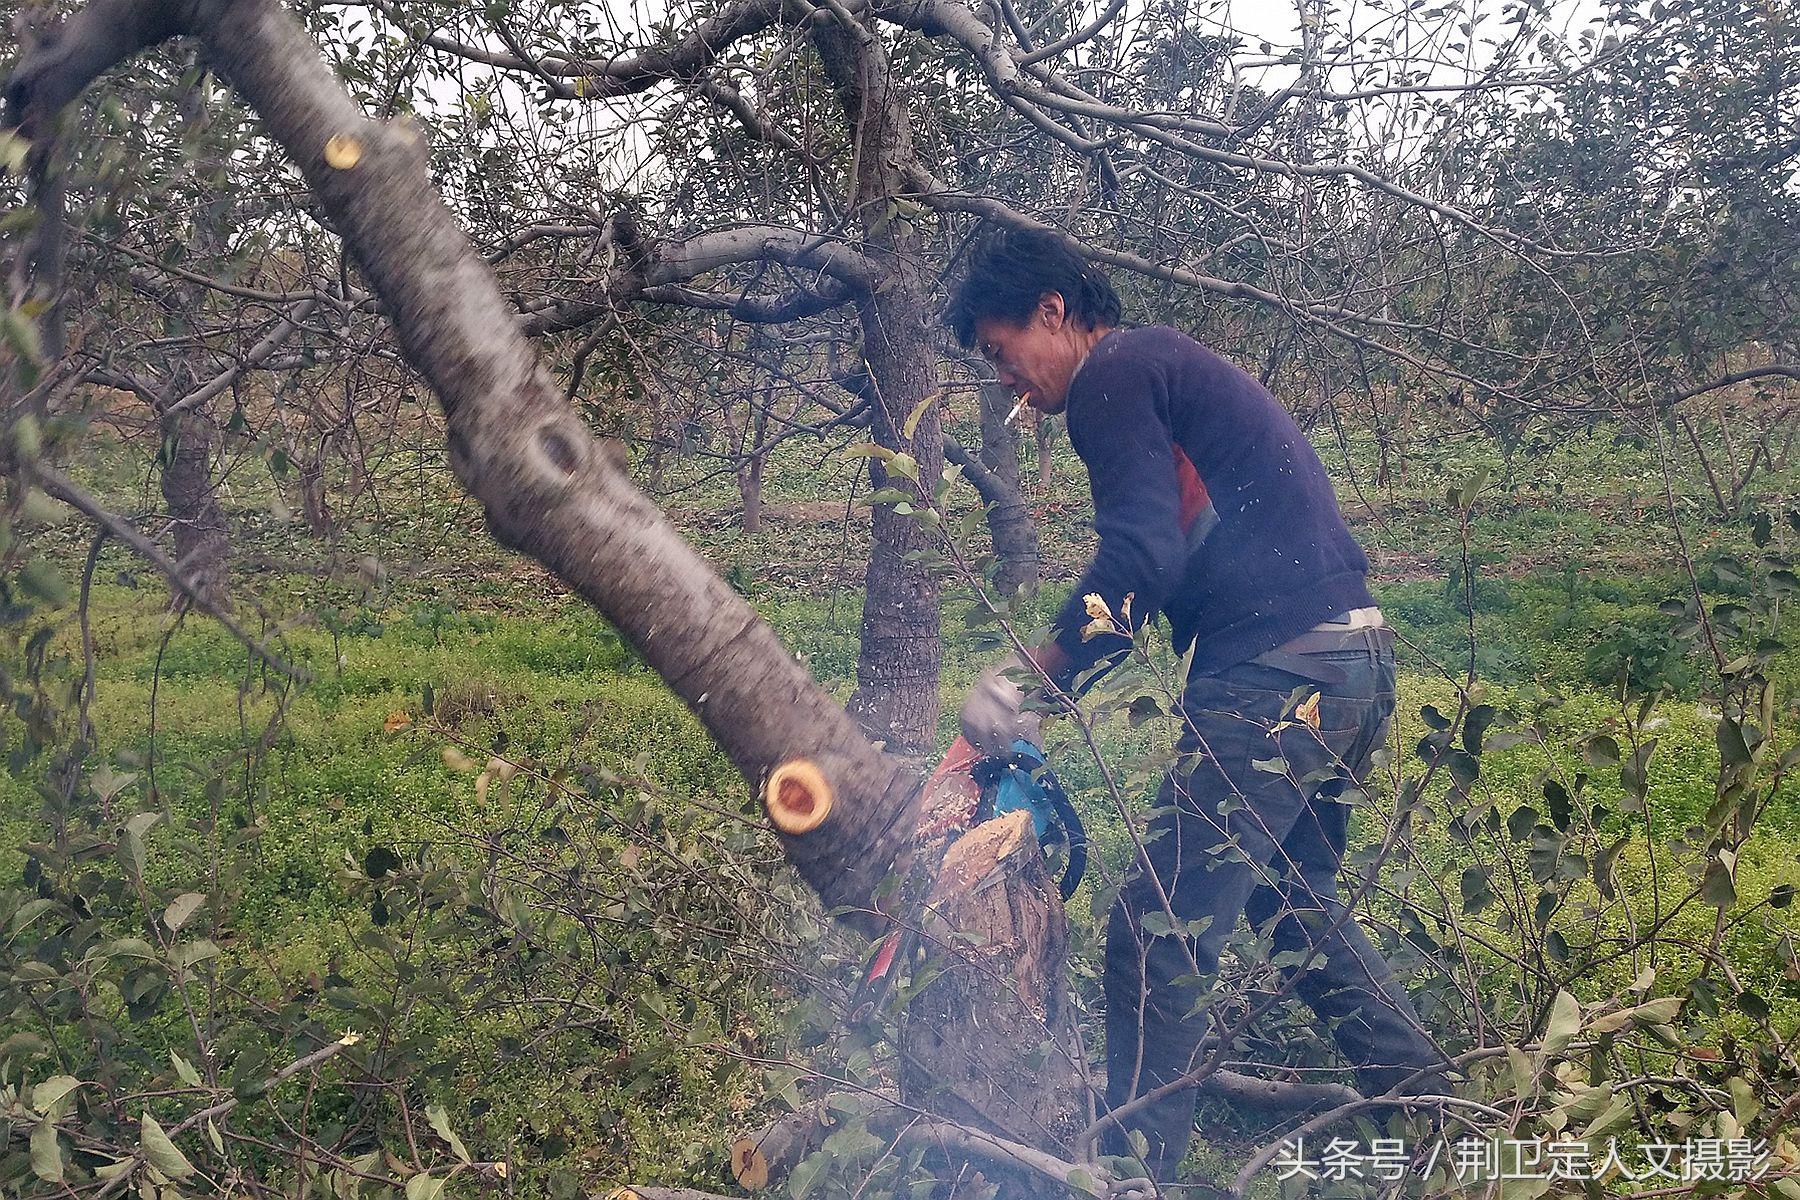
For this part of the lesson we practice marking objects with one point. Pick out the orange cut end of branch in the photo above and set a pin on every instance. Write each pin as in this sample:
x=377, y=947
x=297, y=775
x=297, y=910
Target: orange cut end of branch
x=749, y=1166
x=797, y=797
x=343, y=152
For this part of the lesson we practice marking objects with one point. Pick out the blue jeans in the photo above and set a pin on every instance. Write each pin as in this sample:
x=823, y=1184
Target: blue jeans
x=1231, y=838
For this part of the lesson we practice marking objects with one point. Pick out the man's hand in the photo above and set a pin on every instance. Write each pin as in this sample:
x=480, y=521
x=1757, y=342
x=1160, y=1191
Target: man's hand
x=993, y=714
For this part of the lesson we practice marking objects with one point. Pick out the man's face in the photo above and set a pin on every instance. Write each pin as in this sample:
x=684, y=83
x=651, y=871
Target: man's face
x=1035, y=359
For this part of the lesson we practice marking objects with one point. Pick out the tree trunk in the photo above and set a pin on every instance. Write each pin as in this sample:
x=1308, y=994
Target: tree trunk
x=1045, y=431
x=753, y=456
x=1017, y=561
x=896, y=699
x=549, y=487
x=202, y=538
x=750, y=474
x=999, y=934
x=315, y=506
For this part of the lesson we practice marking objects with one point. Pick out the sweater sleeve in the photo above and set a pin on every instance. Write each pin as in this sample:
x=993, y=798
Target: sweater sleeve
x=1118, y=424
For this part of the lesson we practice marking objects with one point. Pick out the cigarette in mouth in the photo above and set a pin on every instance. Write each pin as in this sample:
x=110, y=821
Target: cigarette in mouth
x=1016, y=409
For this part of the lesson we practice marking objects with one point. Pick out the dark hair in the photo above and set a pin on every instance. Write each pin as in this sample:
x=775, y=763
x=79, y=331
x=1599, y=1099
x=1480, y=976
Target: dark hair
x=1010, y=270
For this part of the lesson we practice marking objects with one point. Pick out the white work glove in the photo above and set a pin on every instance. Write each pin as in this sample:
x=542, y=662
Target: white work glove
x=994, y=714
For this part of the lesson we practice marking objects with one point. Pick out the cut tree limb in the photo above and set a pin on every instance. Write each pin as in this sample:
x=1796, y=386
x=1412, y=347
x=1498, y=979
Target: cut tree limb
x=1001, y=955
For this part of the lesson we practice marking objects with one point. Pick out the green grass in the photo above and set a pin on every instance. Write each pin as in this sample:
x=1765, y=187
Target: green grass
x=1571, y=569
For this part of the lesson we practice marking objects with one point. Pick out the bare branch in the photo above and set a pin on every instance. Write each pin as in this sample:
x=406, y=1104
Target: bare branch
x=285, y=327
x=838, y=272
x=1772, y=370
x=623, y=74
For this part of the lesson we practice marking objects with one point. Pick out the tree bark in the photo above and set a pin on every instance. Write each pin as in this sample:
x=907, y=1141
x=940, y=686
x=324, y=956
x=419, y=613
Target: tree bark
x=202, y=537
x=1045, y=431
x=896, y=699
x=1014, y=534
x=1000, y=938
x=750, y=473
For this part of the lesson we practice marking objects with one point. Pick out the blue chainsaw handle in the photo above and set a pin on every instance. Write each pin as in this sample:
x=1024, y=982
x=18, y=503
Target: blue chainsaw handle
x=1027, y=757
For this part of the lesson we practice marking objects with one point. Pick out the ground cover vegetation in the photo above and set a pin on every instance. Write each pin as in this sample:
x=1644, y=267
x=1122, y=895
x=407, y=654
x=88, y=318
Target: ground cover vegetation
x=406, y=462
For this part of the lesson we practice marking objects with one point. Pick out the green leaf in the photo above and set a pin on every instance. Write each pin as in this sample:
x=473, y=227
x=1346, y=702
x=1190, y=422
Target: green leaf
x=31, y=910
x=43, y=583
x=1734, y=751
x=1471, y=487
x=196, y=952
x=1716, y=887
x=1744, y=1104
x=14, y=149
x=1476, y=725
x=440, y=1124
x=1520, y=824
x=131, y=947
x=1605, y=862
x=1753, y=1006
x=108, y=783
x=868, y=450
x=47, y=1096
x=185, y=1070
x=163, y=1154
x=916, y=415
x=46, y=1155
x=380, y=862
x=1524, y=1072
x=1601, y=750
x=1617, y=1115
x=1565, y=1022
x=28, y=441
x=1477, y=893
x=1082, y=1180
x=21, y=334
x=423, y=1187
x=181, y=908
x=117, y=1166
x=131, y=843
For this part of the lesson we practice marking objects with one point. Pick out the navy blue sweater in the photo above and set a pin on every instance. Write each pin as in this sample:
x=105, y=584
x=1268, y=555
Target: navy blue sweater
x=1280, y=559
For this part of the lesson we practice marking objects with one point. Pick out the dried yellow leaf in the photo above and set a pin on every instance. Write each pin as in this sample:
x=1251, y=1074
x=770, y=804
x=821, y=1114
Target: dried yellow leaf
x=1096, y=606
x=342, y=152
x=396, y=720
x=1309, y=710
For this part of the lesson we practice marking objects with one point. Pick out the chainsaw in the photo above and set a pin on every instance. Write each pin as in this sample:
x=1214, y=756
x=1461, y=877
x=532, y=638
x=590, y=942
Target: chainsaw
x=967, y=789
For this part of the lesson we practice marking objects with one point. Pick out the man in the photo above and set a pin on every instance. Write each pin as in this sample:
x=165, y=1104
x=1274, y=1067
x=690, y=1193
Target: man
x=1270, y=589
